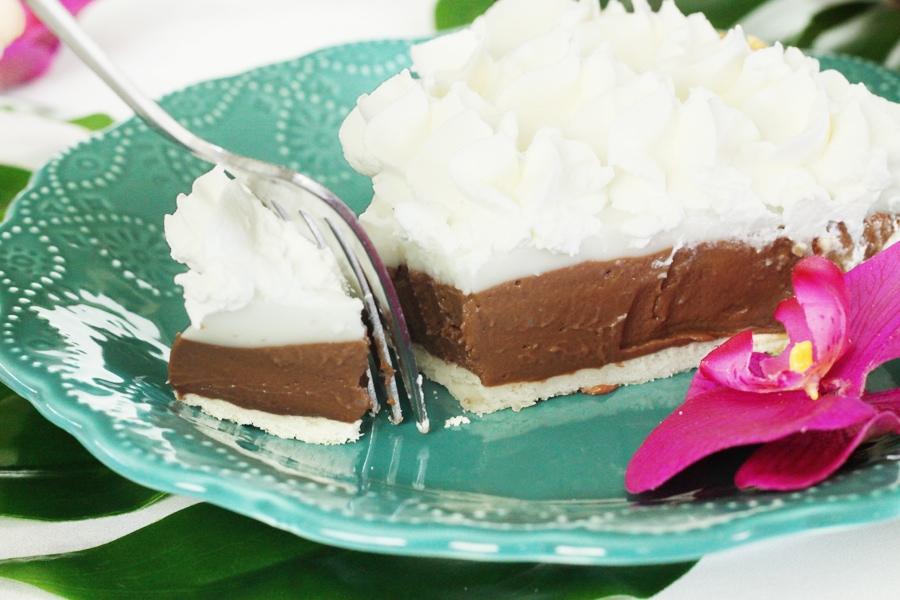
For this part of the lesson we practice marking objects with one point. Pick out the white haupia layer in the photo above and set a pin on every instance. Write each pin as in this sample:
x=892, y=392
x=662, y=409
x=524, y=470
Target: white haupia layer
x=551, y=132
x=254, y=279
x=263, y=323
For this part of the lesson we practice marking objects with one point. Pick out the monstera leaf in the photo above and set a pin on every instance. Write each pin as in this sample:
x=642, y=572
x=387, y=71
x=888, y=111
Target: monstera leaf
x=866, y=28
x=204, y=552
x=12, y=181
x=46, y=474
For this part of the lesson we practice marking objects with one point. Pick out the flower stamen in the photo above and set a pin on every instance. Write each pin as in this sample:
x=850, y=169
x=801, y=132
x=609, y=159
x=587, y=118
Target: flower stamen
x=801, y=357
x=800, y=360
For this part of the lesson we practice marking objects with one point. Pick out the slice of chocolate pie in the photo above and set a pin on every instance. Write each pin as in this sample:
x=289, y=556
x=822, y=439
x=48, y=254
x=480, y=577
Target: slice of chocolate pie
x=574, y=198
x=275, y=340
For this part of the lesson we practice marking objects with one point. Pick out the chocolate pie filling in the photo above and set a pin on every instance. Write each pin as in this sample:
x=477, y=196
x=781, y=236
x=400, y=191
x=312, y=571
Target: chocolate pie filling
x=598, y=313
x=314, y=380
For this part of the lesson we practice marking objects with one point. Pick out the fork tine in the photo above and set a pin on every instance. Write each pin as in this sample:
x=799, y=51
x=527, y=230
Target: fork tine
x=313, y=228
x=273, y=183
x=392, y=314
x=321, y=243
x=381, y=353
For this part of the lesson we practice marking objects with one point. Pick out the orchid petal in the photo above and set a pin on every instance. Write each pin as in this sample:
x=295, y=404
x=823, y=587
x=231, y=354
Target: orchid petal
x=729, y=363
x=27, y=58
x=888, y=400
x=806, y=458
x=735, y=365
x=75, y=6
x=791, y=315
x=820, y=289
x=818, y=314
x=874, y=321
x=31, y=53
x=12, y=23
x=807, y=406
x=715, y=418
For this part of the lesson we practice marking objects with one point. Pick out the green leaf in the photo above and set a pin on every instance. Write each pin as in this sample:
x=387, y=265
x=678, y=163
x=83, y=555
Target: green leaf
x=722, y=14
x=206, y=552
x=12, y=181
x=46, y=474
x=455, y=13
x=828, y=18
x=872, y=34
x=94, y=122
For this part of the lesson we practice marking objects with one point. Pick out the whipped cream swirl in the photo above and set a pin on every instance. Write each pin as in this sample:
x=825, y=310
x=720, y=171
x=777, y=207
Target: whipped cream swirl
x=551, y=131
x=254, y=279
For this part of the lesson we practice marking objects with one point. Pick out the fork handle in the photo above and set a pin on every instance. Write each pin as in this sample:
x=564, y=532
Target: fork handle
x=59, y=20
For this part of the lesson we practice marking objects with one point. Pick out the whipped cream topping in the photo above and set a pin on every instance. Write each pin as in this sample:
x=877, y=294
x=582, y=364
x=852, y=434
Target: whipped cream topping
x=551, y=131
x=254, y=279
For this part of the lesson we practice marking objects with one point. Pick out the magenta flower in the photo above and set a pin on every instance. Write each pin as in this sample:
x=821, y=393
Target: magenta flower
x=807, y=407
x=30, y=54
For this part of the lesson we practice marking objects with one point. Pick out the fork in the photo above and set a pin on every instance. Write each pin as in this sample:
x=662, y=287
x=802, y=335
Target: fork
x=283, y=191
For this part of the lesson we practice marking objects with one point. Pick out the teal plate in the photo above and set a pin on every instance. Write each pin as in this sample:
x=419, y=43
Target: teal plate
x=88, y=310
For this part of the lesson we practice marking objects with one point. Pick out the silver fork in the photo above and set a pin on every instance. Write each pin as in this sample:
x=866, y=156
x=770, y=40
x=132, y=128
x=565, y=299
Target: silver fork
x=287, y=193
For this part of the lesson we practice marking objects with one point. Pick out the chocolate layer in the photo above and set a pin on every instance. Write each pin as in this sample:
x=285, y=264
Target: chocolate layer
x=598, y=313
x=314, y=380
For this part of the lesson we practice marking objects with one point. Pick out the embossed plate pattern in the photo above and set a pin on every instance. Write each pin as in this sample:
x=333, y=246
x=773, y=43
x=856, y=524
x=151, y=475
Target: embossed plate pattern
x=88, y=310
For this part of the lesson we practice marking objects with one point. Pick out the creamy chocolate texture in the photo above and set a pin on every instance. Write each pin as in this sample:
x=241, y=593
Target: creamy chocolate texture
x=314, y=380
x=599, y=313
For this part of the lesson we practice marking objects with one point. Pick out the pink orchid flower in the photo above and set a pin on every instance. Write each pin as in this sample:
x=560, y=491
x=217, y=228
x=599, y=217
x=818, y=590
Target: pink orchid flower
x=30, y=54
x=808, y=407
x=12, y=22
